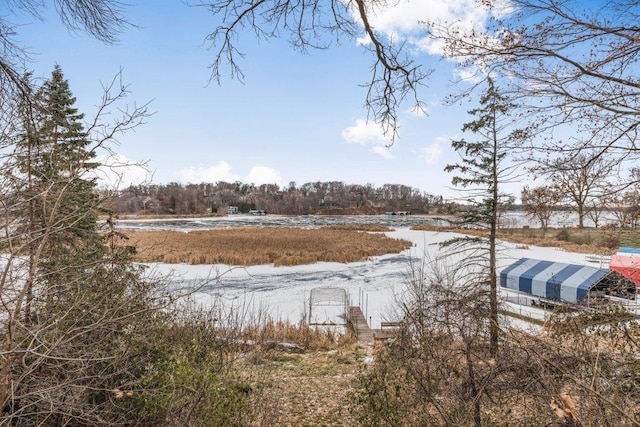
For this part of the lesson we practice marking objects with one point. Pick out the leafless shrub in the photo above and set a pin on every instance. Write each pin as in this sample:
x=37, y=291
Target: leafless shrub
x=582, y=370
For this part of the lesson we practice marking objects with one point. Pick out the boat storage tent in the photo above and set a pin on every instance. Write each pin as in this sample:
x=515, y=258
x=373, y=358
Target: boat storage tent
x=571, y=283
x=627, y=263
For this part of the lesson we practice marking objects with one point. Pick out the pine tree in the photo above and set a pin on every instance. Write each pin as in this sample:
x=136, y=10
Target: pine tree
x=64, y=201
x=82, y=298
x=482, y=170
x=101, y=344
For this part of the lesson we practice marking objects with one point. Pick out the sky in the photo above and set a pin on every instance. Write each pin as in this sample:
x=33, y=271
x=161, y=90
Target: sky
x=295, y=117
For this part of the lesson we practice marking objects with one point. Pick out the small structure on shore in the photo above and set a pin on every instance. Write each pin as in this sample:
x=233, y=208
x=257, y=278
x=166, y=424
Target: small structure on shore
x=568, y=283
x=399, y=213
x=627, y=263
x=328, y=306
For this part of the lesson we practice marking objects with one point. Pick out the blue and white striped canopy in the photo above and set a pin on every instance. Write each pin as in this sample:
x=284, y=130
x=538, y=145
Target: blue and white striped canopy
x=552, y=280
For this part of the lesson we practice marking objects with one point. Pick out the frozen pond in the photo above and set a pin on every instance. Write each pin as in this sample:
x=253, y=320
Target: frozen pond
x=282, y=292
x=302, y=221
x=510, y=219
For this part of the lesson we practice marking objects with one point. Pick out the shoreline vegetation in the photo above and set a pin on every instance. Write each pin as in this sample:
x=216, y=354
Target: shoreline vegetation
x=588, y=240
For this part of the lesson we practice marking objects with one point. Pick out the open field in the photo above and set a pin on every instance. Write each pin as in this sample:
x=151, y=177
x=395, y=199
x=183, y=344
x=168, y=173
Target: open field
x=255, y=246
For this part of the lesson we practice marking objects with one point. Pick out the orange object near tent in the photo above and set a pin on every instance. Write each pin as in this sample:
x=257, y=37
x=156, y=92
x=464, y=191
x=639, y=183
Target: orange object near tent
x=626, y=264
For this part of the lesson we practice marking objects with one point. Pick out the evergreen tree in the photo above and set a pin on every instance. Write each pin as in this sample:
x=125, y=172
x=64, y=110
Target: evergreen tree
x=482, y=170
x=64, y=201
x=86, y=339
x=65, y=156
x=82, y=298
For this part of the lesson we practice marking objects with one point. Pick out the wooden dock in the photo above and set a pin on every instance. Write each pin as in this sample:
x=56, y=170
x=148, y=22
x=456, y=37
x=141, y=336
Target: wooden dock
x=360, y=326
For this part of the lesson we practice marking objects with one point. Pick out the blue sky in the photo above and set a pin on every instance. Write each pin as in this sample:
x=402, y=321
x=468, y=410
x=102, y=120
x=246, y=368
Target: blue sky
x=296, y=117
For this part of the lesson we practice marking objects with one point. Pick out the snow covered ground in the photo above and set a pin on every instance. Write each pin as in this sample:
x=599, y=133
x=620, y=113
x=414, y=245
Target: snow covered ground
x=283, y=292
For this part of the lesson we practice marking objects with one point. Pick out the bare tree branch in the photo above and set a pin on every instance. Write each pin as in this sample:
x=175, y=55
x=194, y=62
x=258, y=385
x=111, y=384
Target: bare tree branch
x=568, y=64
x=317, y=24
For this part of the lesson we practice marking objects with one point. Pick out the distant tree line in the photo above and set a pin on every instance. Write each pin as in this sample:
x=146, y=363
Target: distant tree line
x=587, y=188
x=333, y=197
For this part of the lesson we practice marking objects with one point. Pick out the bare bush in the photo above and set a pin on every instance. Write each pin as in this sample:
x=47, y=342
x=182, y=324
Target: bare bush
x=582, y=370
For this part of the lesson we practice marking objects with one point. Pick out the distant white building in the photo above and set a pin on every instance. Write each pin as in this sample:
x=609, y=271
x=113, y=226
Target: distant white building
x=232, y=210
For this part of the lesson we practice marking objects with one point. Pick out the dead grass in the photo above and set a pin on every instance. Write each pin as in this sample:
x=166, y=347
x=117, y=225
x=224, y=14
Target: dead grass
x=303, y=389
x=301, y=334
x=584, y=248
x=254, y=246
x=313, y=389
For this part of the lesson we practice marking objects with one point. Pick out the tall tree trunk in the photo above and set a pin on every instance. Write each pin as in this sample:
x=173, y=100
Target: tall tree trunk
x=580, y=215
x=493, y=282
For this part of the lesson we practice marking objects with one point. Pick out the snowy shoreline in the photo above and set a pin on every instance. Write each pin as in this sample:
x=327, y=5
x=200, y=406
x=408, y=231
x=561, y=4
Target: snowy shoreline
x=282, y=292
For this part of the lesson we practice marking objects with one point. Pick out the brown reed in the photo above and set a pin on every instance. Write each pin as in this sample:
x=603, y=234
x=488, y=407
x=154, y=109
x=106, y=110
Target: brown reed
x=253, y=246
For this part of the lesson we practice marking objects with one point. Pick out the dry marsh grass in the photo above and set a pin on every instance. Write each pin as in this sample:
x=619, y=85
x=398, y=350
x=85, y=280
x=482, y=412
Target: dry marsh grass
x=311, y=338
x=254, y=246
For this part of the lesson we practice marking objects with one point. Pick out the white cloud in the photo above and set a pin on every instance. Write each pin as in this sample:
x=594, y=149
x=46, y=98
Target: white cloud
x=382, y=151
x=365, y=132
x=503, y=8
x=404, y=20
x=369, y=134
x=432, y=47
x=364, y=40
x=468, y=75
x=434, y=152
x=119, y=172
x=221, y=171
x=259, y=175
